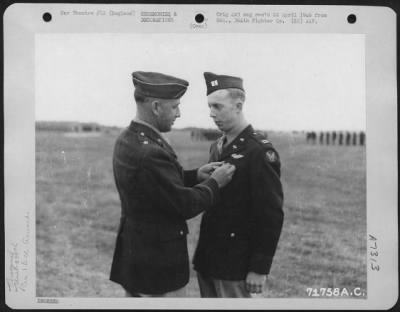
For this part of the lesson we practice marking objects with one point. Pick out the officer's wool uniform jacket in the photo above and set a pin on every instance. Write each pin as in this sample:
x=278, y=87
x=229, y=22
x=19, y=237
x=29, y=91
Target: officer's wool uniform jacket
x=241, y=232
x=151, y=255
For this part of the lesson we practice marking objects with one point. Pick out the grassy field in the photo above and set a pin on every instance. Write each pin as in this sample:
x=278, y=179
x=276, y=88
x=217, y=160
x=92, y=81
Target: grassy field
x=323, y=242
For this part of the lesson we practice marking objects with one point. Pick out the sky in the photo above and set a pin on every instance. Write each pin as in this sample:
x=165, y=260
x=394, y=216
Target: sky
x=292, y=81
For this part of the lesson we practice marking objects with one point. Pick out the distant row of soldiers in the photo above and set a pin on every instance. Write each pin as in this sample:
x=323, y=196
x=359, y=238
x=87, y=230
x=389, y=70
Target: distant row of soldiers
x=337, y=138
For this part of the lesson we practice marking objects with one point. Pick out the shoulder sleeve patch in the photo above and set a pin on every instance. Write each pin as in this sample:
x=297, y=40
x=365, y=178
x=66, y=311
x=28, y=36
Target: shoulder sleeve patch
x=271, y=156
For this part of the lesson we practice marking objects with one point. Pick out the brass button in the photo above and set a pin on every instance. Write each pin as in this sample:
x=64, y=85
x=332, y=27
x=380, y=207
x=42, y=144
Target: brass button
x=232, y=234
x=181, y=232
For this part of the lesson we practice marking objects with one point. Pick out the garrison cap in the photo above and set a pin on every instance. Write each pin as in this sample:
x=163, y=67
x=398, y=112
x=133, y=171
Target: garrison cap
x=158, y=85
x=215, y=82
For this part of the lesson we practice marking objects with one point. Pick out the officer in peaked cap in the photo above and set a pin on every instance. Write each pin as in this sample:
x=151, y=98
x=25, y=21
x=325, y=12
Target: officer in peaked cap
x=157, y=195
x=239, y=235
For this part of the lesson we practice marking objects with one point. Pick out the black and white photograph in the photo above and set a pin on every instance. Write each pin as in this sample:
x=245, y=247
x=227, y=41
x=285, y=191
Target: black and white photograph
x=183, y=158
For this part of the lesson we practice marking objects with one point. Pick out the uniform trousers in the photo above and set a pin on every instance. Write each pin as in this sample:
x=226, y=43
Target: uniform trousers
x=214, y=288
x=179, y=293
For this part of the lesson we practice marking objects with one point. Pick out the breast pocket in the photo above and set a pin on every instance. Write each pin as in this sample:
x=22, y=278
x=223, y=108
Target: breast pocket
x=235, y=193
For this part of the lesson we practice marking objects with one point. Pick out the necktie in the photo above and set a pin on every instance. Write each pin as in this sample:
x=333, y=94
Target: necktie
x=221, y=143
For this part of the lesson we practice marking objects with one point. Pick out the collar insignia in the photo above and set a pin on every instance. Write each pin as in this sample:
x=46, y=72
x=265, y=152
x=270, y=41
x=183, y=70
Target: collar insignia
x=214, y=83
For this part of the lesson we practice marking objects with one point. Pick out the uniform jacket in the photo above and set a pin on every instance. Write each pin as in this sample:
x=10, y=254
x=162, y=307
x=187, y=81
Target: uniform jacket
x=240, y=233
x=151, y=253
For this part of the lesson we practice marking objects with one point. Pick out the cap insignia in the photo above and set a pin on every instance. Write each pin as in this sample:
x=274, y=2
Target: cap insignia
x=214, y=83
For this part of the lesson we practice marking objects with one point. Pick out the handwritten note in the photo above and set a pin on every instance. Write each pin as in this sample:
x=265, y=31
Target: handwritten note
x=373, y=252
x=18, y=254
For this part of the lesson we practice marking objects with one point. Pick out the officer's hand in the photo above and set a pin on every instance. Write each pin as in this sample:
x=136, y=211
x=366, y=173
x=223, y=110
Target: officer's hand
x=223, y=174
x=255, y=282
x=205, y=171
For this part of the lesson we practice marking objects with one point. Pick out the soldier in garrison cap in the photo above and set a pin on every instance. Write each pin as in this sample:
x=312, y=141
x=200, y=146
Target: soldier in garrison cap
x=157, y=195
x=239, y=236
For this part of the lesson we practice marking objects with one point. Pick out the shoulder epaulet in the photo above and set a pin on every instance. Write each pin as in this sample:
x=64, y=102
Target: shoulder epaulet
x=261, y=138
x=270, y=153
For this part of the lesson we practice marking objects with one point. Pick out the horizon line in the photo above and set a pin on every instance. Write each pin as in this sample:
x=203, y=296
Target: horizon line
x=197, y=127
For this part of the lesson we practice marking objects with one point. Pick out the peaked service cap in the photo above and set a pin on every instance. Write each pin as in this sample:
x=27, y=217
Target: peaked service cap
x=159, y=85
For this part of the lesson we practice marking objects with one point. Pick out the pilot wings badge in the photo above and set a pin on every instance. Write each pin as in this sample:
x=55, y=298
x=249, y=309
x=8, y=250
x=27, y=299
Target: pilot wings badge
x=237, y=156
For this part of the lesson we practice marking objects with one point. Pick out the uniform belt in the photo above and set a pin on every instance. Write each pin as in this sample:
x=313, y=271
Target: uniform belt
x=151, y=223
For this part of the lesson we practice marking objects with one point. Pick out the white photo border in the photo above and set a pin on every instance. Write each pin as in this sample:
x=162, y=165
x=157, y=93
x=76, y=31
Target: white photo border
x=22, y=22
